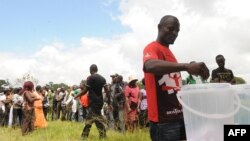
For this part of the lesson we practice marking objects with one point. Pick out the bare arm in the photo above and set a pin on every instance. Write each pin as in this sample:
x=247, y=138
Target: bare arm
x=214, y=77
x=160, y=67
x=83, y=92
x=30, y=98
x=127, y=104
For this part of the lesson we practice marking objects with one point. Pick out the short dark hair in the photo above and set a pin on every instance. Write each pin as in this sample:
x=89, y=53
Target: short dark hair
x=38, y=88
x=219, y=56
x=165, y=18
x=93, y=68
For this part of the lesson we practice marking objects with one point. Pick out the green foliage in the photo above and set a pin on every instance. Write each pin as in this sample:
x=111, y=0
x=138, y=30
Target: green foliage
x=69, y=131
x=3, y=82
x=54, y=87
x=140, y=85
x=239, y=80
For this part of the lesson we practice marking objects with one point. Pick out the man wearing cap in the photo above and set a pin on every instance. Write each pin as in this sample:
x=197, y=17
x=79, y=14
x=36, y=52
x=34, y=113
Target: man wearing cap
x=111, y=110
x=132, y=102
x=117, y=102
x=163, y=81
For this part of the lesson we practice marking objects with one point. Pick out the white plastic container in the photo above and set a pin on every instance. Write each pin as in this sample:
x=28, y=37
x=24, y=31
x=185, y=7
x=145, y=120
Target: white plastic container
x=243, y=116
x=207, y=108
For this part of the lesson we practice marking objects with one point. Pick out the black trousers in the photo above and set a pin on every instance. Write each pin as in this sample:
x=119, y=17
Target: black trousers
x=17, y=117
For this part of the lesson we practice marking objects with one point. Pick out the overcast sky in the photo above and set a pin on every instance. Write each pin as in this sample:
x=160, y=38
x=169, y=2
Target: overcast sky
x=58, y=40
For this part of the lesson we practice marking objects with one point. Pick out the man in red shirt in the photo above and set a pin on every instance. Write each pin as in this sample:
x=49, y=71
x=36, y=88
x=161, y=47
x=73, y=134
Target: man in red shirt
x=163, y=81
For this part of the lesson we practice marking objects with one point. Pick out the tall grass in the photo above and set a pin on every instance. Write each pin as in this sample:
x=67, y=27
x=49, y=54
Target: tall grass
x=69, y=131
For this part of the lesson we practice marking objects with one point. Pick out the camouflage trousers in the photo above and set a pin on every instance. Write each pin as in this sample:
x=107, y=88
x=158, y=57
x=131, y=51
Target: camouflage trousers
x=99, y=121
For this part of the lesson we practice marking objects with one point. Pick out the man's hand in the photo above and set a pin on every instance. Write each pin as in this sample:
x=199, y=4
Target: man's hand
x=198, y=69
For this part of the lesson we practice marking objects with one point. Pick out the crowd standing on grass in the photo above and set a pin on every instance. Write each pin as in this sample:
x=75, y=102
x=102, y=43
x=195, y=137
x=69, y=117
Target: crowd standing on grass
x=122, y=106
x=118, y=108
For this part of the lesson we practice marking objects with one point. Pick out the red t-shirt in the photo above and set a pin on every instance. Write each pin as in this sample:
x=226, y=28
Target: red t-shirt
x=132, y=93
x=163, y=105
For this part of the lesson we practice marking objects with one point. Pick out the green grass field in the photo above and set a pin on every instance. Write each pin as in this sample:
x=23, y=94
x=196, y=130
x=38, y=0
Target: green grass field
x=69, y=131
